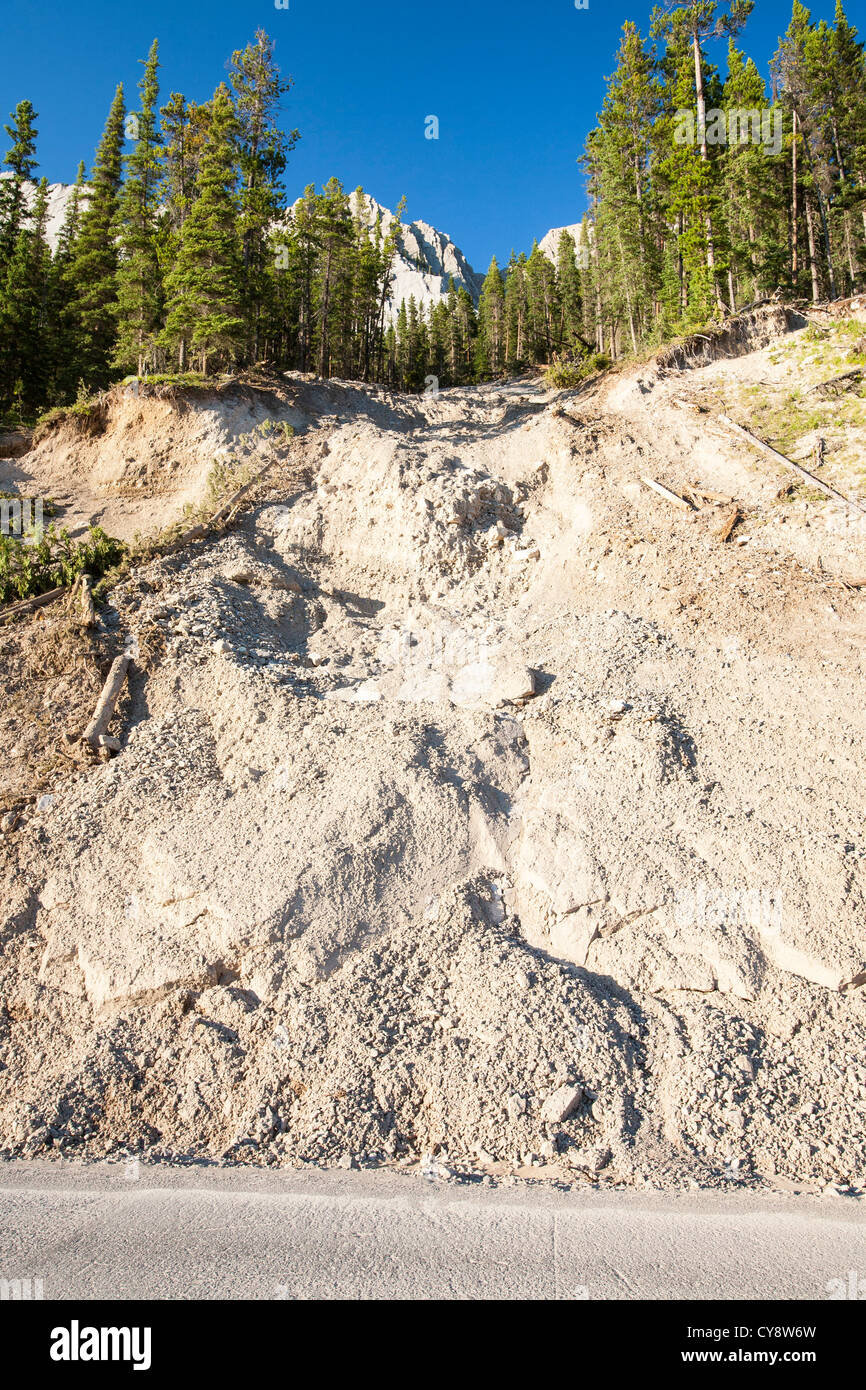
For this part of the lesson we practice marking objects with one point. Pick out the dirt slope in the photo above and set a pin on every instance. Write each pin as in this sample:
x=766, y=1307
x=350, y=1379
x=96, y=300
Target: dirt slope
x=484, y=809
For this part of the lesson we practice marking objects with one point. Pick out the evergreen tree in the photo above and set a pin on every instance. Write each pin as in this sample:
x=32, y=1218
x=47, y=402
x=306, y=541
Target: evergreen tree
x=490, y=352
x=569, y=333
x=21, y=159
x=139, y=283
x=262, y=153
x=62, y=314
x=93, y=271
x=24, y=313
x=204, y=289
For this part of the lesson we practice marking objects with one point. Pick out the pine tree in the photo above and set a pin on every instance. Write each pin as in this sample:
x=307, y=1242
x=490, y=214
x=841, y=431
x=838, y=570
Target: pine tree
x=93, y=271
x=515, y=312
x=754, y=189
x=139, y=283
x=21, y=159
x=24, y=313
x=542, y=307
x=797, y=66
x=490, y=352
x=204, y=289
x=62, y=299
x=694, y=22
x=569, y=331
x=262, y=151
x=334, y=238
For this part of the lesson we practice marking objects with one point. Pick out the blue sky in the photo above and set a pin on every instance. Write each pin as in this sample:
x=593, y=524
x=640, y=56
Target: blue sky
x=515, y=86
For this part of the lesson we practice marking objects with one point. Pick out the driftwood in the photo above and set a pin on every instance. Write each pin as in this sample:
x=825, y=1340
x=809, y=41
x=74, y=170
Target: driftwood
x=672, y=497
x=104, y=711
x=789, y=463
x=29, y=605
x=729, y=523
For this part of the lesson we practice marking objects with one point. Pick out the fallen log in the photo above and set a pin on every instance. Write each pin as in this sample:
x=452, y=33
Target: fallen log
x=201, y=529
x=844, y=382
x=29, y=605
x=104, y=712
x=672, y=497
x=789, y=463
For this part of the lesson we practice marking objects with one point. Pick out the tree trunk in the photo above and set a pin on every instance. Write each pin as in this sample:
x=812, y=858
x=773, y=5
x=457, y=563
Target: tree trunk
x=326, y=303
x=627, y=295
x=813, y=264
x=852, y=271
x=795, y=267
x=702, y=127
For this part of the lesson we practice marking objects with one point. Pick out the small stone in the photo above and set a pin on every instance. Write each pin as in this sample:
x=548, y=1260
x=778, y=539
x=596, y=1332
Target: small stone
x=561, y=1103
x=44, y=803
x=220, y=646
x=516, y=1107
x=110, y=742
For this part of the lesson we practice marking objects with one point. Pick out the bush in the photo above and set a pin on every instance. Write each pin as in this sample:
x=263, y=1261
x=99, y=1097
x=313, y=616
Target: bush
x=53, y=559
x=564, y=376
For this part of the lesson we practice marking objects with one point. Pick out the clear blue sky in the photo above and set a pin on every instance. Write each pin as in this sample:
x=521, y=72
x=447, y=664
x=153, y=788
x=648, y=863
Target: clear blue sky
x=516, y=87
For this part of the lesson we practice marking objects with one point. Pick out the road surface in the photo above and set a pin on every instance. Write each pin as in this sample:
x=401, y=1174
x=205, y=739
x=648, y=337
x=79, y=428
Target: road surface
x=131, y=1232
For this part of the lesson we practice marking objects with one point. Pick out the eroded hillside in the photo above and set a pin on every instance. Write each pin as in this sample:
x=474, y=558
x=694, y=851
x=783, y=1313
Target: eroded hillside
x=476, y=805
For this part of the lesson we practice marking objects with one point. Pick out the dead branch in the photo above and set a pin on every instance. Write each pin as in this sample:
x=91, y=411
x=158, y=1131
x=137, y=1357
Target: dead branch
x=672, y=497
x=29, y=605
x=729, y=523
x=789, y=463
x=104, y=711
x=200, y=530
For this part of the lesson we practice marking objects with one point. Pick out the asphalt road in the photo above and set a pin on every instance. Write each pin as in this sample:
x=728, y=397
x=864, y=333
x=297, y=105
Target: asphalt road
x=119, y=1232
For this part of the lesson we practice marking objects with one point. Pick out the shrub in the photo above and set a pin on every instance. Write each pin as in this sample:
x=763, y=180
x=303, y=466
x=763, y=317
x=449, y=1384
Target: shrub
x=32, y=566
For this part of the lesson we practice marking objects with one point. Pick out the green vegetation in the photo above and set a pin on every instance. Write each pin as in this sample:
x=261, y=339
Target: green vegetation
x=32, y=565
x=178, y=258
x=565, y=376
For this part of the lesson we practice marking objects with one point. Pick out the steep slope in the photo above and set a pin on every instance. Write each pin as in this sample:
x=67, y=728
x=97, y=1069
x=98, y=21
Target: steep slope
x=479, y=808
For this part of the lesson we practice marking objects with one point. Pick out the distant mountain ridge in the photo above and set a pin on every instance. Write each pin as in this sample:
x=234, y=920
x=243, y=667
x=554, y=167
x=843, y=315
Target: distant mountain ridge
x=425, y=262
